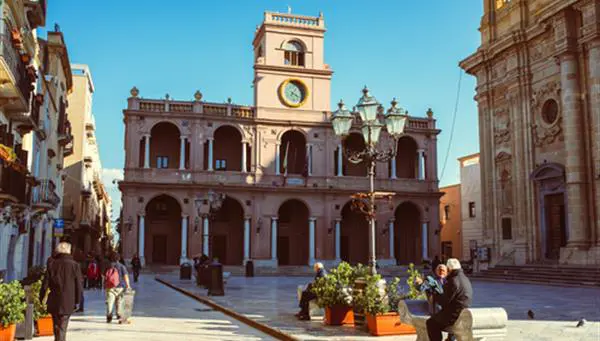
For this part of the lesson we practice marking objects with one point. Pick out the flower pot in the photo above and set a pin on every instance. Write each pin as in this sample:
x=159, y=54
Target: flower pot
x=44, y=326
x=388, y=324
x=8, y=333
x=339, y=315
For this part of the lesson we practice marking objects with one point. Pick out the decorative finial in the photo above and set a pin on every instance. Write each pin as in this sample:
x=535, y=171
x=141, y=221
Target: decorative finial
x=365, y=91
x=229, y=100
x=56, y=27
x=167, y=96
x=321, y=15
x=198, y=95
x=429, y=113
x=394, y=103
x=134, y=92
x=341, y=104
x=289, y=9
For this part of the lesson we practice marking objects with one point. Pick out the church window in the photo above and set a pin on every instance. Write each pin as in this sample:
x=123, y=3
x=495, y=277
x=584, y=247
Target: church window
x=550, y=111
x=506, y=228
x=294, y=54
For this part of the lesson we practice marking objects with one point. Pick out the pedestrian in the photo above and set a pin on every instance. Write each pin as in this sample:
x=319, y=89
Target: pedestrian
x=93, y=274
x=63, y=279
x=308, y=294
x=136, y=265
x=458, y=295
x=116, y=281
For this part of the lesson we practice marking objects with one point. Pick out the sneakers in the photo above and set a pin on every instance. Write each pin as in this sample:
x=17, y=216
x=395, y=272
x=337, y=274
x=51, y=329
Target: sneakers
x=108, y=319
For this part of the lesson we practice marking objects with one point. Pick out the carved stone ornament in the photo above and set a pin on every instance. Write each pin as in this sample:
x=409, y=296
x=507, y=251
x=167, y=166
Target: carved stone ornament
x=547, y=135
x=502, y=157
x=548, y=91
x=501, y=126
x=544, y=132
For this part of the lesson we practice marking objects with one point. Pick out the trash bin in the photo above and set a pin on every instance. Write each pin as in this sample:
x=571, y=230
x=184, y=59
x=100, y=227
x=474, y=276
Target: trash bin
x=185, y=271
x=249, y=268
x=215, y=282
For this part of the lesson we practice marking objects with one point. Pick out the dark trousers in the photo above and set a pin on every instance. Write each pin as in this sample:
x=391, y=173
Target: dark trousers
x=60, y=324
x=306, y=297
x=136, y=275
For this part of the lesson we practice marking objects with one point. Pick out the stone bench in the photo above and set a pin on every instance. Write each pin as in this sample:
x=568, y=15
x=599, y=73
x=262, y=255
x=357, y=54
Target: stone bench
x=313, y=308
x=473, y=324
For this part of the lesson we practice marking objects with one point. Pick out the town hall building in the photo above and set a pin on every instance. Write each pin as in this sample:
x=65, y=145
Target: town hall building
x=270, y=182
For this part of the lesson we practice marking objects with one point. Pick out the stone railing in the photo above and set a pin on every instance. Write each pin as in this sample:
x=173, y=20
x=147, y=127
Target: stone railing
x=420, y=123
x=191, y=107
x=294, y=20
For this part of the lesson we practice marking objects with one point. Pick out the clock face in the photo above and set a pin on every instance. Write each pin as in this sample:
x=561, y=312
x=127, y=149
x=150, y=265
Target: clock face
x=293, y=92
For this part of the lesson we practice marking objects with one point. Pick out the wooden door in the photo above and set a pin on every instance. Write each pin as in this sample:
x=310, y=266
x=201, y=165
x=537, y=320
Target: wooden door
x=556, y=236
x=283, y=250
x=159, y=249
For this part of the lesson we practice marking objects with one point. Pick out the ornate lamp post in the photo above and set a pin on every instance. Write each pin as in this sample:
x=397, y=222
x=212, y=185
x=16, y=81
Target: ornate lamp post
x=207, y=207
x=370, y=113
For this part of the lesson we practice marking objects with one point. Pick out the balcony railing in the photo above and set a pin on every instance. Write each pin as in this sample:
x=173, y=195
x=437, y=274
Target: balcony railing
x=45, y=194
x=13, y=184
x=20, y=79
x=219, y=109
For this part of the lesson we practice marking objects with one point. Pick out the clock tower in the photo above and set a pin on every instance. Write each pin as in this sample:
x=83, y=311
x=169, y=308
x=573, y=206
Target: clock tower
x=291, y=79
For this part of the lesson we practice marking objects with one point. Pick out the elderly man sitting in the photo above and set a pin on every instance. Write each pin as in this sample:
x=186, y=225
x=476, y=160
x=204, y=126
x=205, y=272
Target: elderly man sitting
x=434, y=287
x=308, y=295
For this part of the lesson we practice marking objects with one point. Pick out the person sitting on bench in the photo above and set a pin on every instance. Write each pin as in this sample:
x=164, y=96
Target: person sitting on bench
x=308, y=295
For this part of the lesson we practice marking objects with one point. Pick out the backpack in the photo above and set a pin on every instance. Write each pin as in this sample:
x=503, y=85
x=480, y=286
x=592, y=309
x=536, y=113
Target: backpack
x=92, y=271
x=111, y=278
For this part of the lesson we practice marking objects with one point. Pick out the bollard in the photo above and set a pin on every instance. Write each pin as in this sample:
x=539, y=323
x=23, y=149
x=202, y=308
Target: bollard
x=249, y=268
x=185, y=271
x=215, y=283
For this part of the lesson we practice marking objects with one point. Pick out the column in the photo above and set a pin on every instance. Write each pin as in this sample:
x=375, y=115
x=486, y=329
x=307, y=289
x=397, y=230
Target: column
x=421, y=158
x=205, y=249
x=577, y=217
x=184, y=239
x=424, y=240
x=309, y=159
x=340, y=162
x=141, y=239
x=277, y=158
x=594, y=79
x=247, y=238
x=338, y=238
x=393, y=168
x=146, y=151
x=244, y=157
x=391, y=234
x=311, y=240
x=182, y=152
x=274, y=238
x=210, y=154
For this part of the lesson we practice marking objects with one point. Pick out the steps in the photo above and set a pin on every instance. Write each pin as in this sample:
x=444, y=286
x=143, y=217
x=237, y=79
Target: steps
x=543, y=274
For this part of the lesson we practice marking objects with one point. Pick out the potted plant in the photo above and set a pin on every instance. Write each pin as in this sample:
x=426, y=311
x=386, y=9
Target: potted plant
x=334, y=292
x=360, y=273
x=380, y=303
x=12, y=307
x=43, y=320
x=415, y=299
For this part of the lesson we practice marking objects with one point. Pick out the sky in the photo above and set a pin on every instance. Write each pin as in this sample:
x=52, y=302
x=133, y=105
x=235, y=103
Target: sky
x=404, y=49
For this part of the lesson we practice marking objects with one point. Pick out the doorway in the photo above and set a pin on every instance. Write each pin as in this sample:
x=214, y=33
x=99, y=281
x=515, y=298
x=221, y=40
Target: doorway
x=159, y=250
x=283, y=250
x=556, y=232
x=219, y=247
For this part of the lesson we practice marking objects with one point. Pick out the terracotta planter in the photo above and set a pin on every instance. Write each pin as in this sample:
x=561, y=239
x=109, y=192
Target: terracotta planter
x=8, y=333
x=388, y=324
x=44, y=326
x=339, y=315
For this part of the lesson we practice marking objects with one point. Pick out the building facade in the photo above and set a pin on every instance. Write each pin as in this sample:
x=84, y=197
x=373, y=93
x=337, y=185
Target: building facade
x=470, y=198
x=451, y=222
x=538, y=94
x=87, y=206
x=276, y=168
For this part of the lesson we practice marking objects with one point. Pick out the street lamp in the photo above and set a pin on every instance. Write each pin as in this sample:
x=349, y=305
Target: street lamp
x=208, y=206
x=370, y=112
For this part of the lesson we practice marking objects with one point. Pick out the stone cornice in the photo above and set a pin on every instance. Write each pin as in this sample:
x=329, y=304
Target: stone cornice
x=290, y=69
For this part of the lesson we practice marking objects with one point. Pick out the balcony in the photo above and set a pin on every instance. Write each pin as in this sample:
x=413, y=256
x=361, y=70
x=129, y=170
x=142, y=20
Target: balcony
x=13, y=185
x=16, y=77
x=196, y=107
x=45, y=197
x=37, y=15
x=86, y=190
x=270, y=181
x=87, y=161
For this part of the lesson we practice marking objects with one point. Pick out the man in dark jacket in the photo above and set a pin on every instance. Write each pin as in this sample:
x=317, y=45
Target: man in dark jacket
x=64, y=280
x=308, y=295
x=458, y=295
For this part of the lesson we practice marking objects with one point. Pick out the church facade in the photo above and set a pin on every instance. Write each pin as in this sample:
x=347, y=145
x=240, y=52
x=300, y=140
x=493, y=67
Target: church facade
x=538, y=96
x=270, y=182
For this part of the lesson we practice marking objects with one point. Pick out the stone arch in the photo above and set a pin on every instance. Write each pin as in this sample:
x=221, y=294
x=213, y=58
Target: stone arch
x=227, y=232
x=292, y=232
x=407, y=158
x=293, y=148
x=407, y=232
x=243, y=133
x=296, y=129
x=227, y=148
x=164, y=145
x=162, y=230
x=161, y=193
x=298, y=40
x=354, y=239
x=154, y=124
x=354, y=142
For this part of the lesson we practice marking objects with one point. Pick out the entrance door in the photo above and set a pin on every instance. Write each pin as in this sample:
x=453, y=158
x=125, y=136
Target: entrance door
x=556, y=232
x=345, y=248
x=159, y=249
x=220, y=248
x=283, y=250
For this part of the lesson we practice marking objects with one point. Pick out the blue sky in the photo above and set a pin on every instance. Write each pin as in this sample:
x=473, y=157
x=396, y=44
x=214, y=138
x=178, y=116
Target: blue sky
x=406, y=49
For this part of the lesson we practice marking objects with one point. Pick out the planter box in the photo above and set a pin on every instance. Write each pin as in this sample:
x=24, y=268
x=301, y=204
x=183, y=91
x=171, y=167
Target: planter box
x=44, y=326
x=388, y=324
x=8, y=333
x=339, y=315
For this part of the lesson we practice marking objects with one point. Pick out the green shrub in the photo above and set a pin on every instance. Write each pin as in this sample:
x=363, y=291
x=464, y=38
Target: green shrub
x=12, y=303
x=40, y=309
x=336, y=287
x=413, y=293
x=379, y=297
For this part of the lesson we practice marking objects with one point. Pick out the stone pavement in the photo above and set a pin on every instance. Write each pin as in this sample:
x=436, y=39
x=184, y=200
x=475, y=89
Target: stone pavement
x=272, y=301
x=160, y=313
